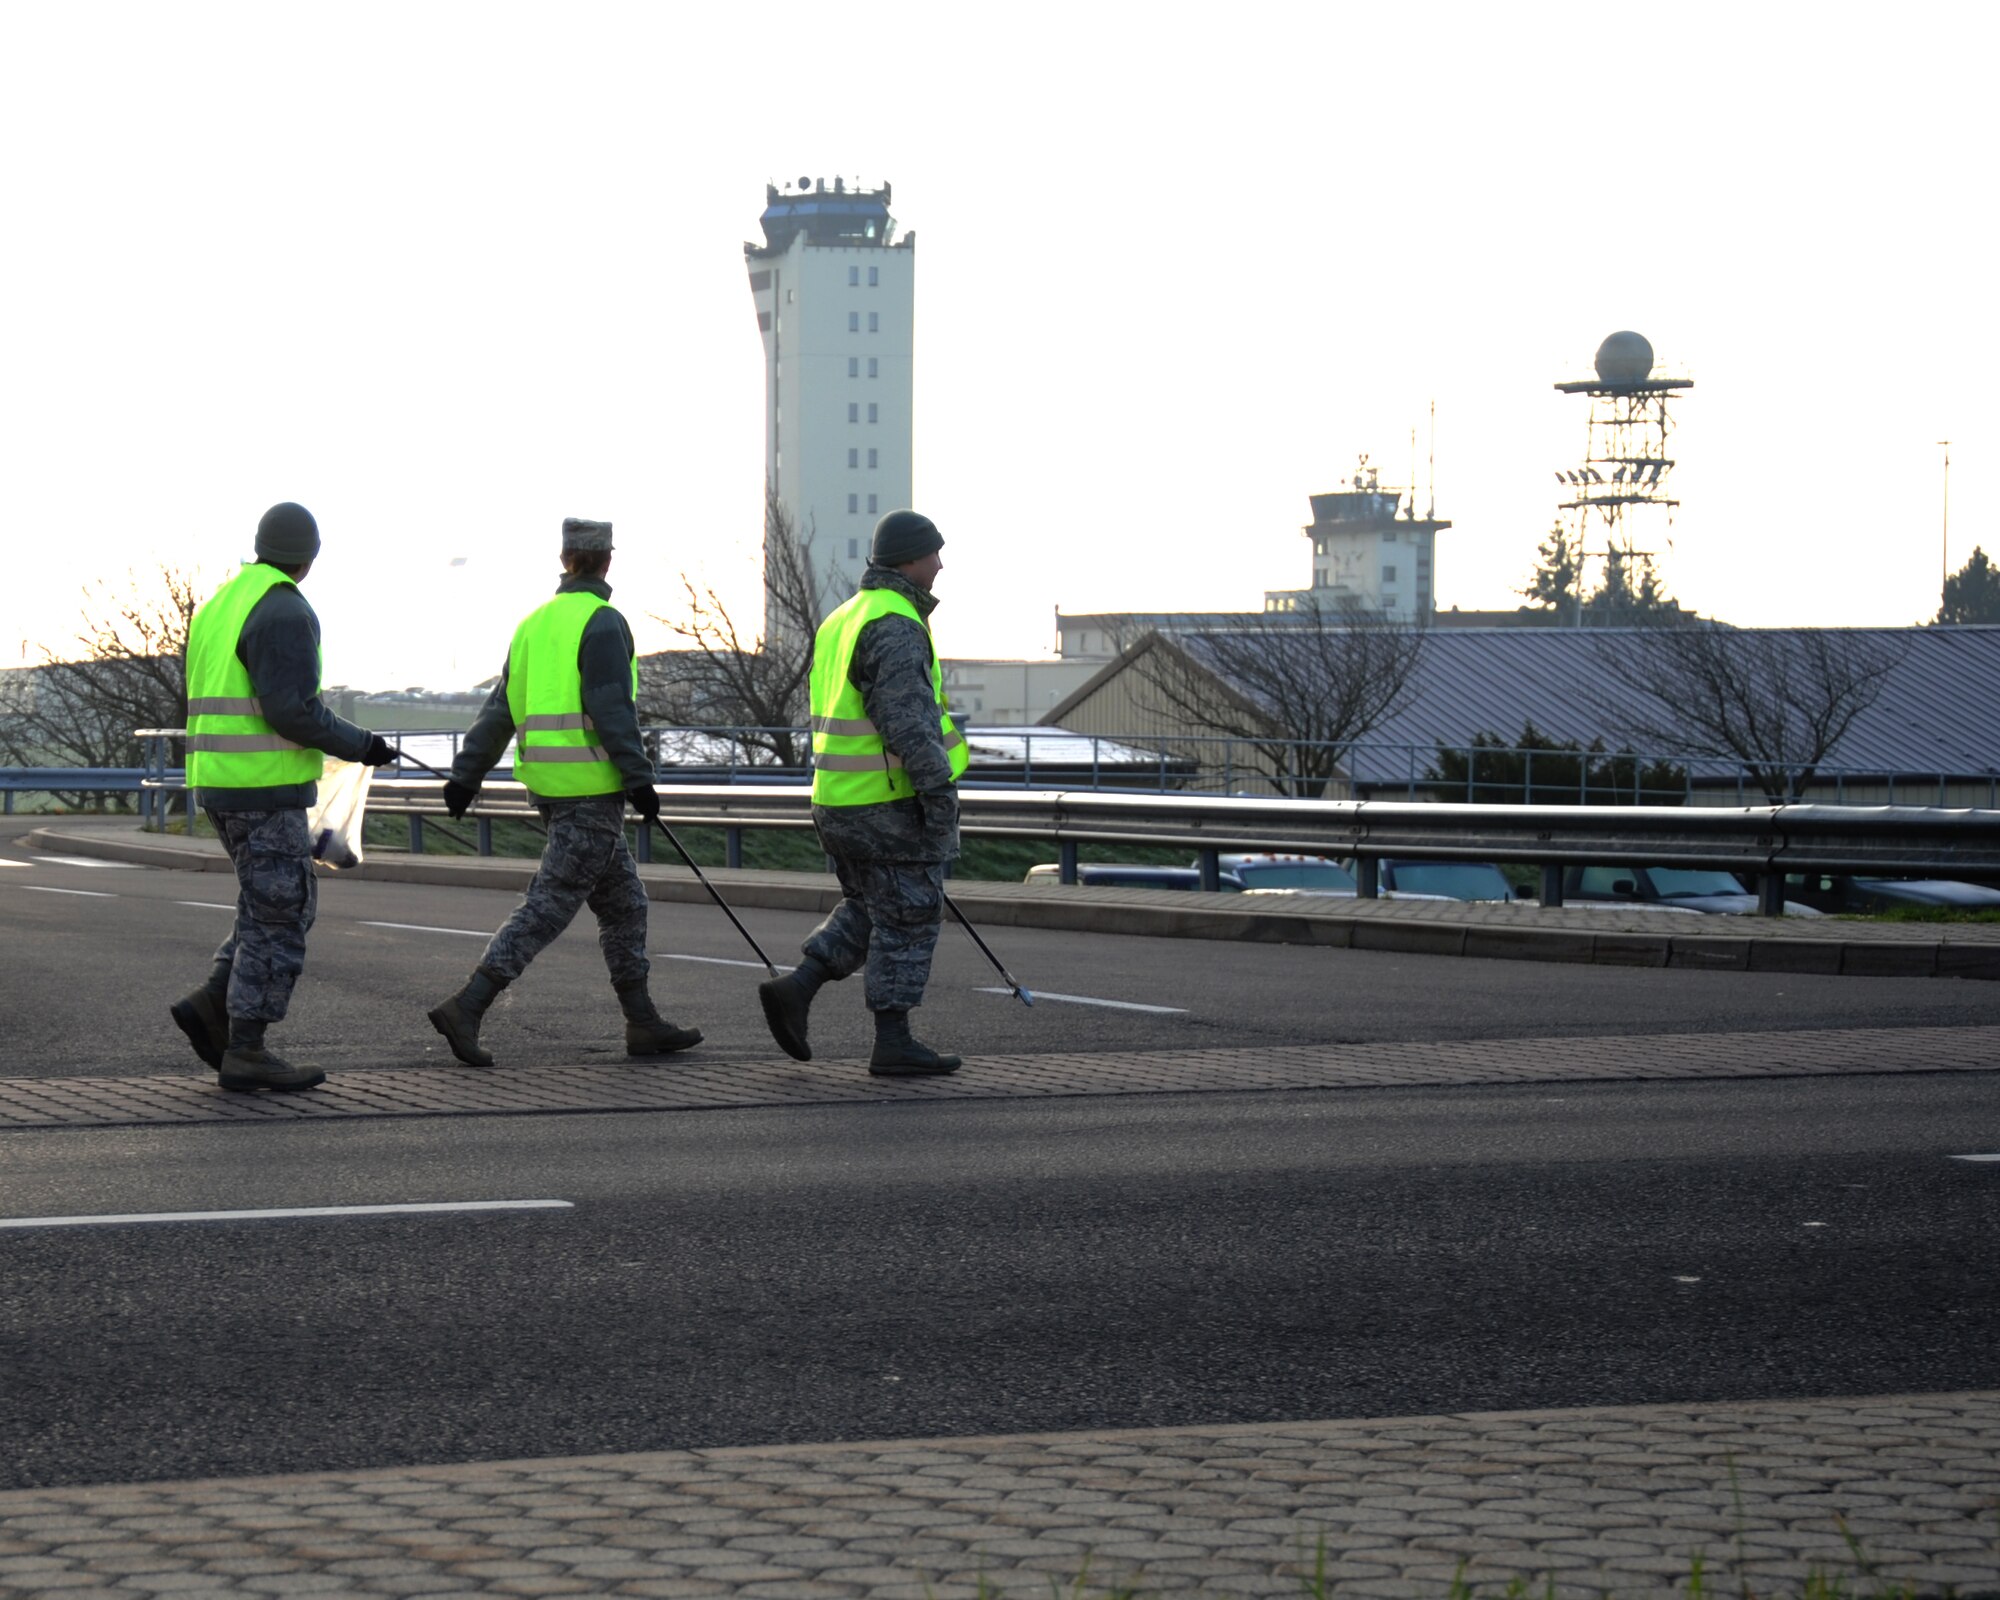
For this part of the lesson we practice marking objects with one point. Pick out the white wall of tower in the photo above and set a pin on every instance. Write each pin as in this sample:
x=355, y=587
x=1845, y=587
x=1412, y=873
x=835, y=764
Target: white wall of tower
x=838, y=324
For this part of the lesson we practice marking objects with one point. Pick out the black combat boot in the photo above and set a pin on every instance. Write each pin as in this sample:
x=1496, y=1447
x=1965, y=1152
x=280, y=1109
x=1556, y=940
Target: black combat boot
x=899, y=1055
x=246, y=1064
x=458, y=1018
x=786, y=1001
x=204, y=1017
x=647, y=1033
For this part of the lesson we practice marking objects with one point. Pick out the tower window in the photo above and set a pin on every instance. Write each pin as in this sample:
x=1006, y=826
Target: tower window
x=871, y=366
x=853, y=276
x=854, y=366
x=854, y=502
x=1388, y=574
x=872, y=408
x=871, y=505
x=854, y=411
x=871, y=460
x=874, y=276
x=853, y=322
x=853, y=549
x=854, y=458
x=874, y=322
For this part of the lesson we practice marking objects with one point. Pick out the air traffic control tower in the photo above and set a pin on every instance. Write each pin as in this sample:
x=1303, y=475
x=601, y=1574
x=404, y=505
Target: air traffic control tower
x=835, y=292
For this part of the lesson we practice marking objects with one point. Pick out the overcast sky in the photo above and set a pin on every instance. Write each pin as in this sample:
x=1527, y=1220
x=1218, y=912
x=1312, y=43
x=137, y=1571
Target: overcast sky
x=447, y=273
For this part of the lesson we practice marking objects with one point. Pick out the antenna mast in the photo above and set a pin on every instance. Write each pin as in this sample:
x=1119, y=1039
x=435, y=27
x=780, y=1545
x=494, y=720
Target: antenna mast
x=1431, y=514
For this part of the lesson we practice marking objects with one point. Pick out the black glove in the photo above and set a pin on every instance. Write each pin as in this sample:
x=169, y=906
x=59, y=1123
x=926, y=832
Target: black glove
x=380, y=752
x=940, y=809
x=644, y=799
x=458, y=797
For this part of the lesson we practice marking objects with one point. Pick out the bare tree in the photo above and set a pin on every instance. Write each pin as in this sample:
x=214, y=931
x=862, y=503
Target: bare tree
x=1779, y=702
x=1298, y=686
x=125, y=669
x=756, y=686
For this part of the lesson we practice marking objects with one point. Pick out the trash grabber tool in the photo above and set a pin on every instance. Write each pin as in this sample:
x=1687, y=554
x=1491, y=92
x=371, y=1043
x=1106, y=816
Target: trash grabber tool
x=404, y=755
x=1024, y=996
x=681, y=849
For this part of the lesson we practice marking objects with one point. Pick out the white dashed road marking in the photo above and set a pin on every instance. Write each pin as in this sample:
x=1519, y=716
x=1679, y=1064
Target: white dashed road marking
x=288, y=1211
x=713, y=961
x=43, y=888
x=90, y=861
x=1994, y=1156
x=1086, y=1000
x=418, y=927
x=205, y=905
x=6, y=863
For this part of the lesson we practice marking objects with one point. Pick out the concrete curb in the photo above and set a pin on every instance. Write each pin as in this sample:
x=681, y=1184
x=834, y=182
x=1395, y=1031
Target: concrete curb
x=1589, y=935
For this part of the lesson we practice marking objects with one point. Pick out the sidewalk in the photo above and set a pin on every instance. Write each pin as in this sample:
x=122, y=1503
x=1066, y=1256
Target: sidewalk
x=1605, y=935
x=701, y=1083
x=1608, y=1501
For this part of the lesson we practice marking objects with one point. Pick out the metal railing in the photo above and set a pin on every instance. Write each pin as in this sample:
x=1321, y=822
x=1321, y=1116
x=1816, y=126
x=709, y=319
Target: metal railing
x=69, y=780
x=1216, y=764
x=1759, y=843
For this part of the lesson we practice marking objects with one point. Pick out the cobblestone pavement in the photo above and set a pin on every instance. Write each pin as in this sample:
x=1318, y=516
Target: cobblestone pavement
x=692, y=1084
x=1598, y=1501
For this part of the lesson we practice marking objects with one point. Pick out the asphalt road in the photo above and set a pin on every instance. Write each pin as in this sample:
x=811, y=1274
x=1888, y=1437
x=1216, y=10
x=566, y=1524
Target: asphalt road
x=932, y=1269
x=91, y=956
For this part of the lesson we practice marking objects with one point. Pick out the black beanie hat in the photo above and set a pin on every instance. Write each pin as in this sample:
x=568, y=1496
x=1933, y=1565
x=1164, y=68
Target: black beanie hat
x=287, y=536
x=904, y=536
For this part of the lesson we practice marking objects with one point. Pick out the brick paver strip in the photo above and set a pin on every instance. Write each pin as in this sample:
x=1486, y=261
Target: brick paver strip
x=694, y=1084
x=1612, y=1501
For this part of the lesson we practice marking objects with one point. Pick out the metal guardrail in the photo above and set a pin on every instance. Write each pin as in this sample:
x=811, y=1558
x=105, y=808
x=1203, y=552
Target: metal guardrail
x=1220, y=764
x=68, y=780
x=1761, y=843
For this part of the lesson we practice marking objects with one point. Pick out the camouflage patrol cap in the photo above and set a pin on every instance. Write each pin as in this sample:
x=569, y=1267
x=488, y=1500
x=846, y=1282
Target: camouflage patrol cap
x=581, y=534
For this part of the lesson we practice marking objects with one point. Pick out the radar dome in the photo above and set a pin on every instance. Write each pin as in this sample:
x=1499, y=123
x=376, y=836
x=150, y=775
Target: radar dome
x=1624, y=358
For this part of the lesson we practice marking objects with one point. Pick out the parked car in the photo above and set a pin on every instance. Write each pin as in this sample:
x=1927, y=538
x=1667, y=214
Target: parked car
x=1839, y=891
x=1263, y=872
x=1688, y=888
x=1121, y=875
x=1449, y=880
x=1277, y=870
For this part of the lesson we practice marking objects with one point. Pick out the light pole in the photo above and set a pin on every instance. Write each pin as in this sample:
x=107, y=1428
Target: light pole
x=1944, y=549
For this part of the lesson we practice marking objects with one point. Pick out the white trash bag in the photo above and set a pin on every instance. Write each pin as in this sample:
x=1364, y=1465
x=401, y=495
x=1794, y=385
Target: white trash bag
x=335, y=822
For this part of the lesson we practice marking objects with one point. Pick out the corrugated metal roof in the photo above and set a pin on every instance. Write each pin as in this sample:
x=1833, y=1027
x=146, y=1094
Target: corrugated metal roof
x=1938, y=712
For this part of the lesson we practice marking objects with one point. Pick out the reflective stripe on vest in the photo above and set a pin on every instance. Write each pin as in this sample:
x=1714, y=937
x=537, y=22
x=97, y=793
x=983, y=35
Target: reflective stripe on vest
x=554, y=753
x=230, y=745
x=851, y=765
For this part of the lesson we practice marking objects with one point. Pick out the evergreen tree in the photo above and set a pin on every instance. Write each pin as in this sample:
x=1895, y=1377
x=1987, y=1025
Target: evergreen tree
x=1972, y=594
x=1629, y=594
x=1556, y=583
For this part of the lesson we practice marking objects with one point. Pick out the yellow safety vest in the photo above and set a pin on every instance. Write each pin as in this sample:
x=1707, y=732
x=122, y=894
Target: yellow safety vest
x=230, y=745
x=554, y=752
x=851, y=765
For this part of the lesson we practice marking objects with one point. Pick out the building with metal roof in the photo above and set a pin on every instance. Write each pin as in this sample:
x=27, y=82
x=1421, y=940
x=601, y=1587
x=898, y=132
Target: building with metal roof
x=1931, y=735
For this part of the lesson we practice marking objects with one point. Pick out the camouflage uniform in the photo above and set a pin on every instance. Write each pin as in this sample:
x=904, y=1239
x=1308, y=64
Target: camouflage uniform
x=890, y=857
x=584, y=862
x=264, y=829
x=277, y=899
